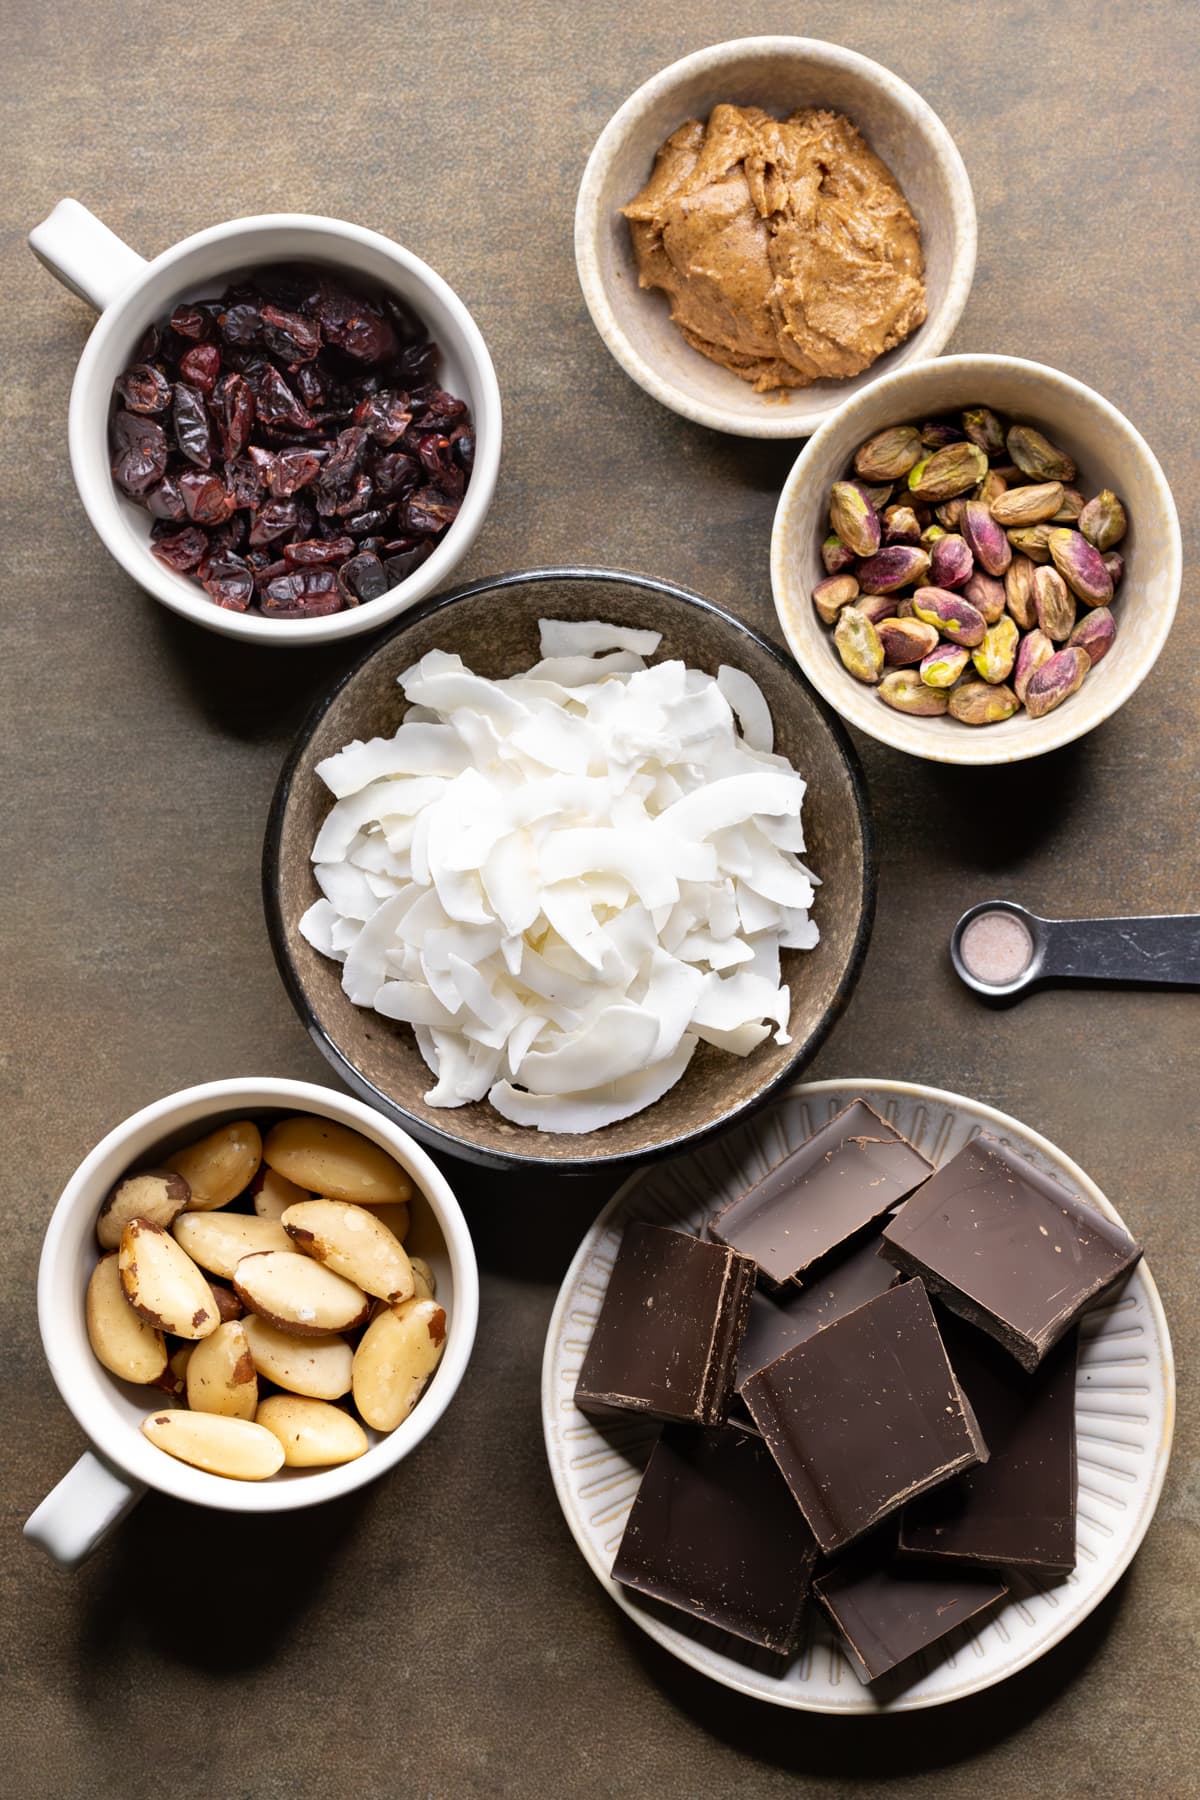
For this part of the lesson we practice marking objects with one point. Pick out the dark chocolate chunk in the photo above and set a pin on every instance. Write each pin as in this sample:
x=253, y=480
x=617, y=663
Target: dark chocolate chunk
x=778, y=1321
x=715, y=1532
x=1017, y=1510
x=831, y=1187
x=1008, y=1248
x=865, y=1415
x=886, y=1610
x=667, y=1338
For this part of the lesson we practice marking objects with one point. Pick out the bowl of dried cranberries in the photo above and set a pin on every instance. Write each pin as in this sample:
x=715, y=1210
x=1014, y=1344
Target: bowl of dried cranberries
x=286, y=428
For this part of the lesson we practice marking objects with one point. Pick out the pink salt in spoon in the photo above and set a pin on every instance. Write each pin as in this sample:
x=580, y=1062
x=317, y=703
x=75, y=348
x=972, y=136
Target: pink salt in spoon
x=1001, y=950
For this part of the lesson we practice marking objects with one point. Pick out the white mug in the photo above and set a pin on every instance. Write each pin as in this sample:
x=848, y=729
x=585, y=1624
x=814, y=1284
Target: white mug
x=112, y=1476
x=130, y=293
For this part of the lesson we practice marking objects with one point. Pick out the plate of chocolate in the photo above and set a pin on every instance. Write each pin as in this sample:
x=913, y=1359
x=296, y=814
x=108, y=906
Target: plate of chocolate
x=863, y=1407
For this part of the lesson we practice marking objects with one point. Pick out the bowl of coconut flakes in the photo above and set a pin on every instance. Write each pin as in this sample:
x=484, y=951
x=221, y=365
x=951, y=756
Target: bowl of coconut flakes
x=570, y=868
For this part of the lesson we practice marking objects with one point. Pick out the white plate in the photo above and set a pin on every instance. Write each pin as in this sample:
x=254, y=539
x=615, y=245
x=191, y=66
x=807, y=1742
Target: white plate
x=1124, y=1412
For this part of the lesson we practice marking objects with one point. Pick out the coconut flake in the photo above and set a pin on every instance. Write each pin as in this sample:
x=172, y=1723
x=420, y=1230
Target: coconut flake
x=563, y=880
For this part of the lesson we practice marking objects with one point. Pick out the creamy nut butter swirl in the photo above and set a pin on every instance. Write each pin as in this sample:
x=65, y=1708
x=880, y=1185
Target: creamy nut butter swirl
x=785, y=246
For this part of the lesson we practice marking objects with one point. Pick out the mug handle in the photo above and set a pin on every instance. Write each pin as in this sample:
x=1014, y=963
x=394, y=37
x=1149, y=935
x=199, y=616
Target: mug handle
x=89, y=1500
x=85, y=255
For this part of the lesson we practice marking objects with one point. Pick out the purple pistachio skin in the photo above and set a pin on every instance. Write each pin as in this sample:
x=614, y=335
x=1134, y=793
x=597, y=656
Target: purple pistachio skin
x=893, y=567
x=986, y=595
x=1094, y=633
x=985, y=539
x=1057, y=679
x=951, y=564
x=1081, y=566
x=953, y=615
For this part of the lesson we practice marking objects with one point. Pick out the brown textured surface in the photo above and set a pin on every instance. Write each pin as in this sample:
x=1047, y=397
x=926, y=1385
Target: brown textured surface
x=442, y=1633
x=495, y=632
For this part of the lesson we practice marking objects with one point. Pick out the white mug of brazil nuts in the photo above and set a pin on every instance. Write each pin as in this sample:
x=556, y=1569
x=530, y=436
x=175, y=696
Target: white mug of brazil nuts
x=130, y=294
x=110, y=1477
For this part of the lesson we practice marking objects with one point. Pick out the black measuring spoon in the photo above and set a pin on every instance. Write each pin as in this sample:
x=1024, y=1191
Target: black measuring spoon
x=1001, y=949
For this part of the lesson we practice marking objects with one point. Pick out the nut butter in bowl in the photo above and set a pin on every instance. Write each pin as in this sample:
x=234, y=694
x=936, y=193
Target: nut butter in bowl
x=765, y=224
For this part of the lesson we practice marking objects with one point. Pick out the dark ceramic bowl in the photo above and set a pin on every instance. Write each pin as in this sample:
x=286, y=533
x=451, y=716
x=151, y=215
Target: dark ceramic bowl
x=492, y=625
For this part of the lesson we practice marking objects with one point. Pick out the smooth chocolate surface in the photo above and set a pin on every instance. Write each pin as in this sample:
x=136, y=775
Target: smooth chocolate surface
x=715, y=1532
x=777, y=1321
x=1007, y=1248
x=1017, y=1510
x=887, y=1610
x=865, y=1415
x=667, y=1338
x=831, y=1186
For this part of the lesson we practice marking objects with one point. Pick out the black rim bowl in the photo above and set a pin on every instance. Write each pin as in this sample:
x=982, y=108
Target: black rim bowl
x=521, y=1146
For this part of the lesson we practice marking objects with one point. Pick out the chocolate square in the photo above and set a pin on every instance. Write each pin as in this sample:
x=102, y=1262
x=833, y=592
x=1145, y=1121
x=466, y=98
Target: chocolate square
x=787, y=1317
x=667, y=1338
x=1017, y=1510
x=885, y=1611
x=865, y=1415
x=715, y=1533
x=1008, y=1248
x=849, y=1173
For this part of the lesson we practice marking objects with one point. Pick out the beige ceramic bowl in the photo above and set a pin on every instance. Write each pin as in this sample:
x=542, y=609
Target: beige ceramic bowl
x=1108, y=452
x=778, y=74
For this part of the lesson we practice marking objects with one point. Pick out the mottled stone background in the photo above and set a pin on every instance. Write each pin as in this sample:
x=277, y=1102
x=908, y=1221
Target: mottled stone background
x=441, y=1635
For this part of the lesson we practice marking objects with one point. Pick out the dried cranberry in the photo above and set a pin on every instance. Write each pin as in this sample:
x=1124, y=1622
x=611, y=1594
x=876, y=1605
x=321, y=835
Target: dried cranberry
x=354, y=499
x=228, y=539
x=144, y=389
x=276, y=403
x=418, y=363
x=361, y=578
x=240, y=324
x=244, y=479
x=363, y=522
x=290, y=336
x=192, y=322
x=464, y=449
x=165, y=501
x=229, y=583
x=139, y=452
x=427, y=512
x=292, y=470
x=233, y=408
x=182, y=550
x=349, y=323
x=394, y=474
x=150, y=345
x=205, y=496
x=311, y=385
x=385, y=415
x=405, y=561
x=275, y=519
x=193, y=433
x=304, y=594
x=201, y=366
x=310, y=553
x=266, y=571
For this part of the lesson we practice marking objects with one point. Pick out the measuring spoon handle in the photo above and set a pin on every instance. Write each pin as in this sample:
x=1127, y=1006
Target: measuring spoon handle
x=1163, y=947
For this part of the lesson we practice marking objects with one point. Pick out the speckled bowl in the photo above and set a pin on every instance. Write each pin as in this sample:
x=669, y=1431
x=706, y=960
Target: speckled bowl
x=778, y=74
x=1109, y=453
x=492, y=625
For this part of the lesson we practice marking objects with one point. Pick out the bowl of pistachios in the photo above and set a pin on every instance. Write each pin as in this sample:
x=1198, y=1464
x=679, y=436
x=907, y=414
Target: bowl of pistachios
x=976, y=560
